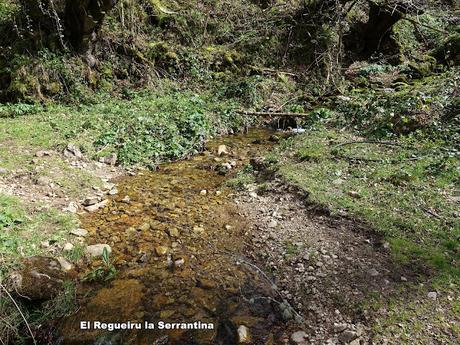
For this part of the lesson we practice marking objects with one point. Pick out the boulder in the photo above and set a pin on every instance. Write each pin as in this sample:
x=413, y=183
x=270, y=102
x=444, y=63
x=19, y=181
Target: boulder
x=40, y=279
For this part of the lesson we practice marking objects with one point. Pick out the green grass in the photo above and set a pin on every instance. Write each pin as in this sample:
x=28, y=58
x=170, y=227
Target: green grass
x=22, y=230
x=146, y=129
x=406, y=192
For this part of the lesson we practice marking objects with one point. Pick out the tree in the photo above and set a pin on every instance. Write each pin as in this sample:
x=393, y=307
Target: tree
x=70, y=21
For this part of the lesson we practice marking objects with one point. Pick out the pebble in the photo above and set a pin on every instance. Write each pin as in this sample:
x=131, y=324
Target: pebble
x=72, y=208
x=97, y=249
x=95, y=207
x=67, y=247
x=347, y=336
x=79, y=232
x=65, y=265
x=340, y=327
x=373, y=272
x=91, y=200
x=203, y=192
x=179, y=262
x=432, y=295
x=244, y=336
x=273, y=224
x=173, y=232
x=222, y=150
x=299, y=337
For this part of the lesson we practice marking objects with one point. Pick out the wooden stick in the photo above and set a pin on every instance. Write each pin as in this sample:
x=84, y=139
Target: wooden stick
x=262, y=113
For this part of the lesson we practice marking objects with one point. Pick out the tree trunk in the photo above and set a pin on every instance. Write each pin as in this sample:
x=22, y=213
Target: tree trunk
x=75, y=21
x=83, y=19
x=378, y=28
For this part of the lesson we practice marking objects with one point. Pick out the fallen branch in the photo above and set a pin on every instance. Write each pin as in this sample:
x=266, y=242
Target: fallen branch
x=388, y=143
x=263, y=113
x=270, y=70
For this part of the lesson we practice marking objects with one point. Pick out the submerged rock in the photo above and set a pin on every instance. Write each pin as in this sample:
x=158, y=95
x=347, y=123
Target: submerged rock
x=222, y=150
x=244, y=337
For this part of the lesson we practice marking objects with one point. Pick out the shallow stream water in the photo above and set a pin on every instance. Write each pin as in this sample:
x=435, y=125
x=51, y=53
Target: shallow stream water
x=179, y=247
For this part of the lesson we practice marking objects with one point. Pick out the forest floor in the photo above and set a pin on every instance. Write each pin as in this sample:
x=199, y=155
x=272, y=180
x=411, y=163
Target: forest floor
x=341, y=276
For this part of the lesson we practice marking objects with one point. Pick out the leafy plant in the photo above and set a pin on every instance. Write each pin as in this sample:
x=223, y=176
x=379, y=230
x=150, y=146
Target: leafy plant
x=103, y=273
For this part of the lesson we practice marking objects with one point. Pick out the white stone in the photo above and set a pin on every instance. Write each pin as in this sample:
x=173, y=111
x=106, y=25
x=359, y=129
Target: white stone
x=244, y=337
x=65, y=265
x=97, y=249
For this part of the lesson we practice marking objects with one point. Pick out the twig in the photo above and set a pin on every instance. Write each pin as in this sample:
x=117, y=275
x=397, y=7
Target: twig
x=271, y=70
x=20, y=312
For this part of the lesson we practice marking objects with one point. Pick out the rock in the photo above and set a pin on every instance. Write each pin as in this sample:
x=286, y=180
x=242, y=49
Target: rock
x=42, y=154
x=65, y=265
x=45, y=244
x=203, y=192
x=161, y=250
x=403, y=279
x=259, y=163
x=222, y=150
x=299, y=337
x=3, y=171
x=79, y=232
x=354, y=194
x=173, y=232
x=144, y=227
x=340, y=327
x=40, y=279
x=110, y=159
x=179, y=262
x=198, y=230
x=97, y=249
x=253, y=195
x=273, y=224
x=42, y=181
x=73, y=151
x=67, y=247
x=373, y=272
x=244, y=337
x=227, y=166
x=347, y=336
x=91, y=200
x=432, y=295
x=95, y=207
x=72, y=208
x=113, y=191
x=274, y=138
x=126, y=199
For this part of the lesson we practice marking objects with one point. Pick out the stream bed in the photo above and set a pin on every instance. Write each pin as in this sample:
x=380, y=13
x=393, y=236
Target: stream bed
x=178, y=244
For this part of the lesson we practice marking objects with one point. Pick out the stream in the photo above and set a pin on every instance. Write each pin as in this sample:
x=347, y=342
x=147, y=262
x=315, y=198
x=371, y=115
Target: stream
x=178, y=244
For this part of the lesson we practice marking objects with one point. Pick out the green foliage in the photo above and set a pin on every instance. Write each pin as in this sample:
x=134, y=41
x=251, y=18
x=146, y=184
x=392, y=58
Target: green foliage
x=105, y=272
x=409, y=108
x=243, y=178
x=22, y=231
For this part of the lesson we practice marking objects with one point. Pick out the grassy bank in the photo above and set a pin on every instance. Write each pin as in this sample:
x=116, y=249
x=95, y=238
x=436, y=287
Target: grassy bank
x=406, y=190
